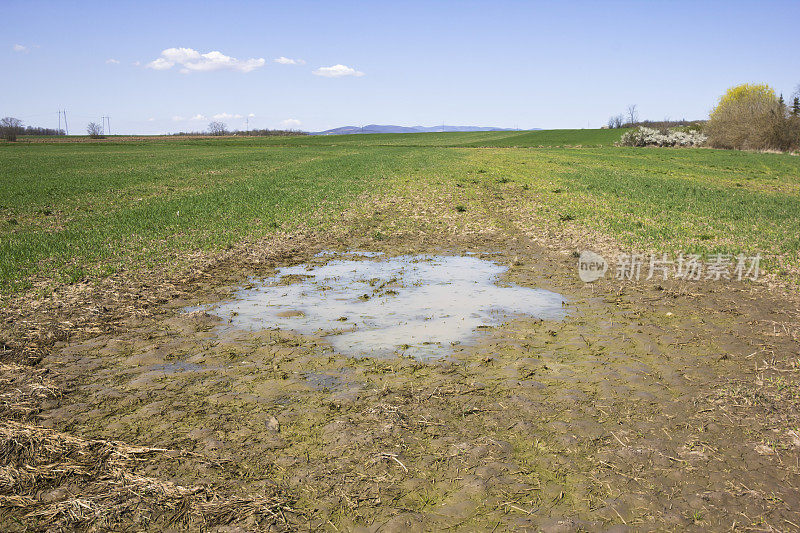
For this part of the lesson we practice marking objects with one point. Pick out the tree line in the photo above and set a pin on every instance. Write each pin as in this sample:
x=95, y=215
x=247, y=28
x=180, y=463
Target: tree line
x=220, y=128
x=11, y=128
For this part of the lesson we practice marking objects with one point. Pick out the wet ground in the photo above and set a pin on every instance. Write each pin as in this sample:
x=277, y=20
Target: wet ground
x=637, y=406
x=418, y=305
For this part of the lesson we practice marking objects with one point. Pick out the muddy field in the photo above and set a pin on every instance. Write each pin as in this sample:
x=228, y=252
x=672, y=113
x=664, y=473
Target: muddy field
x=650, y=405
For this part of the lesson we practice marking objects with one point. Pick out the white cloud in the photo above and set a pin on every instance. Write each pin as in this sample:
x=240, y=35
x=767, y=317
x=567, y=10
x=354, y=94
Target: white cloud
x=193, y=61
x=199, y=117
x=337, y=71
x=291, y=123
x=20, y=48
x=223, y=116
x=178, y=118
x=286, y=61
x=151, y=119
x=112, y=61
x=251, y=115
x=160, y=64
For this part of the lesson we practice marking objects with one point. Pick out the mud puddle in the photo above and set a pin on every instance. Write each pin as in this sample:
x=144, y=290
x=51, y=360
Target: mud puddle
x=367, y=305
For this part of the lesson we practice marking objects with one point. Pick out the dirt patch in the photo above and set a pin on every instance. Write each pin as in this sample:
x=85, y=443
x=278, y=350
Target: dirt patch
x=653, y=405
x=51, y=480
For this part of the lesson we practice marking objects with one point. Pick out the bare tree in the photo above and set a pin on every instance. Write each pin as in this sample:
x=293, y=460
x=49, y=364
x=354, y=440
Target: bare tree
x=10, y=127
x=94, y=130
x=616, y=121
x=795, y=107
x=217, y=128
x=633, y=114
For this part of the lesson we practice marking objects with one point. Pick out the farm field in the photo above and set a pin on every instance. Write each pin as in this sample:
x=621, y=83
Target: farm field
x=654, y=404
x=91, y=208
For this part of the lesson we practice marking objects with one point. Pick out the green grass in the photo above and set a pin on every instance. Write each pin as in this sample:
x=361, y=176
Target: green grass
x=473, y=139
x=671, y=200
x=522, y=139
x=70, y=210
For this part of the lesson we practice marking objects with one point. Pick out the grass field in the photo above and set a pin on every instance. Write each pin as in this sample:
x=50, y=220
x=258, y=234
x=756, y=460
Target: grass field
x=666, y=405
x=535, y=138
x=72, y=210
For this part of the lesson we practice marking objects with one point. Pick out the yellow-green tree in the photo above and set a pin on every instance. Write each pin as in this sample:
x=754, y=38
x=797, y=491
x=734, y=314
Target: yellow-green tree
x=751, y=117
x=746, y=91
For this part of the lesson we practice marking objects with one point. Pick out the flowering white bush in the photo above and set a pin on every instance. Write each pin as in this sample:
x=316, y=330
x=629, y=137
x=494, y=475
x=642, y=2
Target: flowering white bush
x=649, y=137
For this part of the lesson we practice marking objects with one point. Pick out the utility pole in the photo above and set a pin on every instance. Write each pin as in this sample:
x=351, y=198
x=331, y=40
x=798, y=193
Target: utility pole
x=247, y=124
x=59, y=122
x=66, y=126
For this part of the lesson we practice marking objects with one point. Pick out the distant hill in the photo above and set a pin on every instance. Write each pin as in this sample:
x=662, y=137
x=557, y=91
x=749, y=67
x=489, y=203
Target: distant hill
x=377, y=128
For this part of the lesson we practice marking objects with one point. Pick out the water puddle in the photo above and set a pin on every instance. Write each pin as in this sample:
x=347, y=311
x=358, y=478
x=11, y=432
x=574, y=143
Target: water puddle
x=417, y=306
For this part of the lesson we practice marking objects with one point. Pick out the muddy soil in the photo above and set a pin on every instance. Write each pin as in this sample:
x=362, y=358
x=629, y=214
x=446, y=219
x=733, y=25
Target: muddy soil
x=651, y=405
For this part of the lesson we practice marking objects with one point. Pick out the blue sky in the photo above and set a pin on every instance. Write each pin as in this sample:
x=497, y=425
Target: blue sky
x=508, y=64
